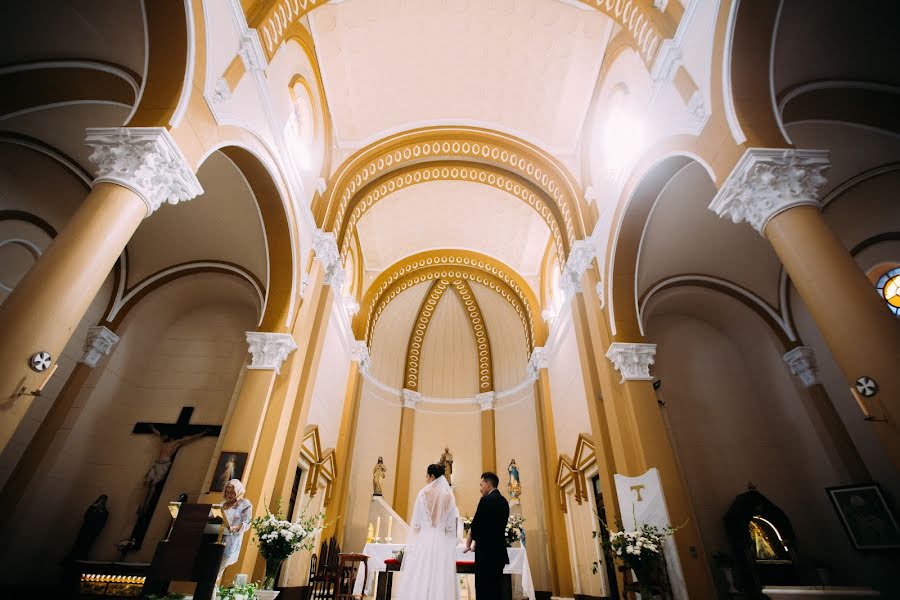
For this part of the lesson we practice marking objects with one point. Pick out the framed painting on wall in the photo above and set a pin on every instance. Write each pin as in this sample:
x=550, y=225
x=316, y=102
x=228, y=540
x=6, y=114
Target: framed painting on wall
x=230, y=466
x=865, y=516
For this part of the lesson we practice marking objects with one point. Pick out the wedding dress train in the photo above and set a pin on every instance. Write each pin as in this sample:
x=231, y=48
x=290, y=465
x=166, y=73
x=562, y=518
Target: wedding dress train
x=428, y=571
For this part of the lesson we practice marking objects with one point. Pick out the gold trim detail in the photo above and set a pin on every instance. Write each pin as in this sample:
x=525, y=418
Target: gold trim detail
x=495, y=177
x=482, y=341
x=417, y=337
x=322, y=463
x=450, y=264
x=571, y=470
x=645, y=25
x=467, y=153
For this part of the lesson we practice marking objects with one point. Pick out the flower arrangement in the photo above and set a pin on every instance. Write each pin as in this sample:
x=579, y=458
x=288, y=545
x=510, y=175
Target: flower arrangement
x=640, y=550
x=245, y=591
x=278, y=538
x=467, y=524
x=399, y=553
x=515, y=529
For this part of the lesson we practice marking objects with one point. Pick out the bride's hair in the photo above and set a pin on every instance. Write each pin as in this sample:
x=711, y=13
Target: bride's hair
x=435, y=470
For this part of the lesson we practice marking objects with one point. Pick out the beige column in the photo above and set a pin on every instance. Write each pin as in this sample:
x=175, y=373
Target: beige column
x=404, y=453
x=337, y=511
x=138, y=169
x=488, y=432
x=554, y=521
x=836, y=442
x=99, y=342
x=776, y=192
x=633, y=437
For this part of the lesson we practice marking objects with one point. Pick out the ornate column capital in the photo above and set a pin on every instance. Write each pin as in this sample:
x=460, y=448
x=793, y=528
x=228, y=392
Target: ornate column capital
x=146, y=160
x=485, y=400
x=802, y=362
x=538, y=360
x=359, y=353
x=269, y=349
x=411, y=398
x=632, y=361
x=325, y=247
x=766, y=182
x=99, y=342
x=580, y=257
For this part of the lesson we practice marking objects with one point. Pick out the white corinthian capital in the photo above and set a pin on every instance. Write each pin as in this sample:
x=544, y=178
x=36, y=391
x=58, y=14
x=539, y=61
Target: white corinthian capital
x=802, y=362
x=99, y=342
x=325, y=247
x=766, y=182
x=359, y=353
x=145, y=160
x=632, y=361
x=485, y=400
x=411, y=398
x=269, y=350
x=539, y=360
x=579, y=261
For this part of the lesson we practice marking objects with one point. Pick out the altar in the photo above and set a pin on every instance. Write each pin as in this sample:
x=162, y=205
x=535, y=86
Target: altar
x=523, y=586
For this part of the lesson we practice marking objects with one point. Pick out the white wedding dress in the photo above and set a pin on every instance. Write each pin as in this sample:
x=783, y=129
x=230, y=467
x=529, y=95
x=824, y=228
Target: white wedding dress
x=428, y=571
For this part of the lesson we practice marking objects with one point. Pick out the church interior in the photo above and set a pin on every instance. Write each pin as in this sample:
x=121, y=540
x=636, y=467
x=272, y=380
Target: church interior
x=640, y=258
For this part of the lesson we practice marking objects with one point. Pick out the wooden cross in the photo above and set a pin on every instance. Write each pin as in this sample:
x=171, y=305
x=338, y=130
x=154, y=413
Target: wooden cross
x=172, y=437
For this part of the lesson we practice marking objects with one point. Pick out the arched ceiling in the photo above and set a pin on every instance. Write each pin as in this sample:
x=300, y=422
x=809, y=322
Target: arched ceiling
x=453, y=214
x=526, y=66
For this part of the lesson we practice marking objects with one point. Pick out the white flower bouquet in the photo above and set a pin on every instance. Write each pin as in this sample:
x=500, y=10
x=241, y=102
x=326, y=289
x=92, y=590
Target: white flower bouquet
x=278, y=538
x=515, y=529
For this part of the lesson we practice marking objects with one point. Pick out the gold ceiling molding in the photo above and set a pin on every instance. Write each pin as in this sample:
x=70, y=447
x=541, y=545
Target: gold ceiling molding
x=482, y=342
x=484, y=174
x=646, y=25
x=417, y=337
x=488, y=153
x=449, y=265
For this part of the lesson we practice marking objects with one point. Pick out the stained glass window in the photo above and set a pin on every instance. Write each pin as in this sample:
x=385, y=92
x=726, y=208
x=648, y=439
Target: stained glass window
x=889, y=288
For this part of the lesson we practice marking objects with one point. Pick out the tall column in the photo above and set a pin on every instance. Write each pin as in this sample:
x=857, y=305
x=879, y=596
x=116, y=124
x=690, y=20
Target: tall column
x=248, y=420
x=99, y=342
x=488, y=431
x=337, y=512
x=777, y=193
x=633, y=437
x=647, y=445
x=832, y=434
x=138, y=169
x=404, y=453
x=554, y=521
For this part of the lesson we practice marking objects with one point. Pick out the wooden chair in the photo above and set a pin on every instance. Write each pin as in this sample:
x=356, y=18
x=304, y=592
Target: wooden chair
x=348, y=569
x=323, y=583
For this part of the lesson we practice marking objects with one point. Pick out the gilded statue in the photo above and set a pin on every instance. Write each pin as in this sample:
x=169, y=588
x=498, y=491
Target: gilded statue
x=378, y=475
x=446, y=461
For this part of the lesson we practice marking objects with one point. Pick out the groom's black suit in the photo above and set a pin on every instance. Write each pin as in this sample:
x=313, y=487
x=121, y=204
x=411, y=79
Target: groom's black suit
x=489, y=534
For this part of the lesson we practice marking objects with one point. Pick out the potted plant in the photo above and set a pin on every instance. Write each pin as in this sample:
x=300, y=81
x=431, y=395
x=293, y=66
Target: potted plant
x=278, y=538
x=238, y=591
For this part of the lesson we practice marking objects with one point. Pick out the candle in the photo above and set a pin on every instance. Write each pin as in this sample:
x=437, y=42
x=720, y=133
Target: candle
x=377, y=529
x=240, y=579
x=390, y=526
x=861, y=402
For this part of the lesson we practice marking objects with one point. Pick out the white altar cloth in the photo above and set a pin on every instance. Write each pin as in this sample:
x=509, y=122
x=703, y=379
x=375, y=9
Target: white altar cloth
x=518, y=565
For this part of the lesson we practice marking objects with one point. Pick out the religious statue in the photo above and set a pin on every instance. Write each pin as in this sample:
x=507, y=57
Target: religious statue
x=378, y=475
x=159, y=470
x=94, y=519
x=514, y=487
x=446, y=461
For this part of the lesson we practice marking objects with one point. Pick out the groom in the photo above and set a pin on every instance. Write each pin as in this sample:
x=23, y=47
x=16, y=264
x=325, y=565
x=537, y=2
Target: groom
x=488, y=531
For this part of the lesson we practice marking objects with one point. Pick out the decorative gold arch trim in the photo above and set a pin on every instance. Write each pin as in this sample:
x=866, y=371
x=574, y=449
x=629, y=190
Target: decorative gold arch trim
x=570, y=470
x=646, y=25
x=321, y=463
x=449, y=265
x=482, y=342
x=526, y=170
x=450, y=170
x=417, y=337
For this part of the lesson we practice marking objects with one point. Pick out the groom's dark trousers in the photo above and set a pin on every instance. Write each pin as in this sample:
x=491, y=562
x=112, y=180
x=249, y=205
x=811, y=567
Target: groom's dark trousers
x=489, y=534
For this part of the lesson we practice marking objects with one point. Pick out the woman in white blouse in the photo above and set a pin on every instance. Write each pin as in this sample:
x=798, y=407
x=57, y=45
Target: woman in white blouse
x=239, y=512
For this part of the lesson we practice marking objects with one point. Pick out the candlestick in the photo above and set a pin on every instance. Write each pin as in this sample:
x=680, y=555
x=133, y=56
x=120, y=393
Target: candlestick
x=861, y=402
x=390, y=527
x=378, y=529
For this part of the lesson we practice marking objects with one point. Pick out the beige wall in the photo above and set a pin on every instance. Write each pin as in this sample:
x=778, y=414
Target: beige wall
x=330, y=384
x=449, y=364
x=581, y=523
x=570, y=411
x=184, y=346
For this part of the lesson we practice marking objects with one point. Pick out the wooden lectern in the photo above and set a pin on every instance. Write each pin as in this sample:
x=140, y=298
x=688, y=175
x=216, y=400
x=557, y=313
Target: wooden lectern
x=191, y=552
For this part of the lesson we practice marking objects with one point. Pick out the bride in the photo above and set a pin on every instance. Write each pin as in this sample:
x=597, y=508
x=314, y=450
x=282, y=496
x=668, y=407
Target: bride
x=428, y=571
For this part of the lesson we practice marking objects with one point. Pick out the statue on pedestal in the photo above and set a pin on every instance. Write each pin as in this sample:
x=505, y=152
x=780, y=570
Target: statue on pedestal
x=514, y=487
x=446, y=461
x=94, y=519
x=378, y=475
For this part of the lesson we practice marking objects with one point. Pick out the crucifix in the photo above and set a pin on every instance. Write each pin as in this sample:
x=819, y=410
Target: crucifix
x=172, y=436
